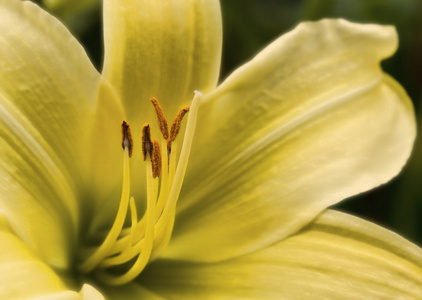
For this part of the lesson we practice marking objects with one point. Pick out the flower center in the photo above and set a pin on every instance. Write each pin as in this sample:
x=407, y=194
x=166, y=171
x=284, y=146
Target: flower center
x=146, y=238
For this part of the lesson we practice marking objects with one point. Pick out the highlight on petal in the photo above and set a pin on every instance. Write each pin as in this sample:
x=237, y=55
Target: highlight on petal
x=66, y=295
x=337, y=256
x=162, y=49
x=22, y=274
x=88, y=292
x=47, y=93
x=308, y=122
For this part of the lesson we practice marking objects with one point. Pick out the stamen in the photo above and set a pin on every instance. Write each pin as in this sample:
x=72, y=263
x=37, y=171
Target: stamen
x=162, y=236
x=175, y=126
x=156, y=159
x=172, y=161
x=147, y=238
x=164, y=189
x=164, y=226
x=127, y=141
x=182, y=165
x=134, y=218
x=102, y=251
x=162, y=121
x=146, y=141
x=163, y=239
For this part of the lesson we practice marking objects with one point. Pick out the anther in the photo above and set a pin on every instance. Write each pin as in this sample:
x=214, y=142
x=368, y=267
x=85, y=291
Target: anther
x=127, y=141
x=175, y=126
x=156, y=159
x=162, y=121
x=147, y=145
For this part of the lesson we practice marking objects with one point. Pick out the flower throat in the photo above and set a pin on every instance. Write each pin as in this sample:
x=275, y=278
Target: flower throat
x=146, y=238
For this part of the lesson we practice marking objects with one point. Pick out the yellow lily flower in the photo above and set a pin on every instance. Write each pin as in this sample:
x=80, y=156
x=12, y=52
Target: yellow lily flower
x=308, y=122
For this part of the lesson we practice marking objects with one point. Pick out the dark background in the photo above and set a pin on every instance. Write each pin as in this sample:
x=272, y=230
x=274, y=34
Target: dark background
x=249, y=25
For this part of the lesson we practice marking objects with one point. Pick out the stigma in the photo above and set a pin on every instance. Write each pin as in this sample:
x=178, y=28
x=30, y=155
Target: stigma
x=125, y=251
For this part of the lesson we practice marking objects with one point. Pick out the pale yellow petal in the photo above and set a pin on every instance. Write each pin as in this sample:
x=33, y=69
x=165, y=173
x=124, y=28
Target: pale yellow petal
x=338, y=256
x=310, y=121
x=47, y=93
x=88, y=292
x=132, y=291
x=162, y=49
x=65, y=295
x=22, y=273
x=35, y=195
x=48, y=77
x=106, y=155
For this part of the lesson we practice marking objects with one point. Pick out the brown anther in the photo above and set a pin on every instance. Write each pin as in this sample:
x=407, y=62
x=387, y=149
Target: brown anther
x=127, y=141
x=169, y=148
x=146, y=141
x=162, y=121
x=156, y=159
x=175, y=126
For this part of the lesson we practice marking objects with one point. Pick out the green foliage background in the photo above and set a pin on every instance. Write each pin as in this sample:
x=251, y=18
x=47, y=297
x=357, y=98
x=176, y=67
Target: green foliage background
x=249, y=25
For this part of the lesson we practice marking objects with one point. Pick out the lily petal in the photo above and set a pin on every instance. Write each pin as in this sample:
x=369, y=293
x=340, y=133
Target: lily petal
x=47, y=92
x=310, y=121
x=66, y=295
x=22, y=274
x=132, y=291
x=48, y=77
x=163, y=49
x=337, y=256
x=106, y=155
x=88, y=292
